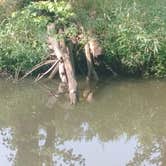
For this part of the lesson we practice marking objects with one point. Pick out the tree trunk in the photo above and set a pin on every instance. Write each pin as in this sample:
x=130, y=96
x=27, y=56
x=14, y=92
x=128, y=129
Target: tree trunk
x=66, y=70
x=70, y=73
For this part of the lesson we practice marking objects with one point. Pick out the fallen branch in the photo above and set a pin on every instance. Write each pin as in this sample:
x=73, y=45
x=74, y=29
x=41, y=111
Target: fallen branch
x=38, y=66
x=47, y=71
x=54, y=71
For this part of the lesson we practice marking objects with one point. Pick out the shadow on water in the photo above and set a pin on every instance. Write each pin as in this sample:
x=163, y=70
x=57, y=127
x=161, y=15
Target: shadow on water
x=124, y=125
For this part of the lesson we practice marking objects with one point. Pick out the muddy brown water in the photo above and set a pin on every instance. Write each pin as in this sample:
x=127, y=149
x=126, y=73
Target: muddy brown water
x=125, y=125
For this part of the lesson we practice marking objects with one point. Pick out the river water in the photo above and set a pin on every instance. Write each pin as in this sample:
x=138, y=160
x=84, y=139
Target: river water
x=124, y=125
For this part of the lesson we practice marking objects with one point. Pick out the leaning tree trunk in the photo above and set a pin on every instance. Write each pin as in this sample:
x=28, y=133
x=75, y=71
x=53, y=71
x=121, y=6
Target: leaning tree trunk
x=70, y=73
x=61, y=59
x=66, y=70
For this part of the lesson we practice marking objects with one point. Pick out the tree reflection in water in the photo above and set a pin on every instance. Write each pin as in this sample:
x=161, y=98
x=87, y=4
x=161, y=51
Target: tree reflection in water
x=7, y=151
x=135, y=109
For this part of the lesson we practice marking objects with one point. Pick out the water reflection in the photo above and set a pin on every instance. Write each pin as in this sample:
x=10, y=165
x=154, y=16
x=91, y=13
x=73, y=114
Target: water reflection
x=97, y=152
x=7, y=151
x=124, y=125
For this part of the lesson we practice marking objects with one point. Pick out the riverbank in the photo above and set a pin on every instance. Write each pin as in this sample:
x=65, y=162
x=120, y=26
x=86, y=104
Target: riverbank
x=131, y=33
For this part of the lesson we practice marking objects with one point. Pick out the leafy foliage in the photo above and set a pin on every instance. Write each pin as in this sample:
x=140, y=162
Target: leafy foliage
x=133, y=33
x=23, y=35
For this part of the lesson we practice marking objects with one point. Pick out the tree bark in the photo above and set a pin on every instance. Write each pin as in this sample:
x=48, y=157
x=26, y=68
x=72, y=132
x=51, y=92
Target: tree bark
x=70, y=73
x=90, y=66
x=66, y=70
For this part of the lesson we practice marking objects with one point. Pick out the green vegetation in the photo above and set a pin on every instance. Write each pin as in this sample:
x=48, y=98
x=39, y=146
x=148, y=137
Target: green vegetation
x=22, y=44
x=23, y=34
x=132, y=33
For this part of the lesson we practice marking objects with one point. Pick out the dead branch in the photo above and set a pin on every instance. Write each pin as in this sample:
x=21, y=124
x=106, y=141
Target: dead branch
x=53, y=73
x=47, y=71
x=37, y=67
